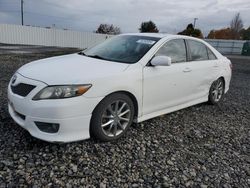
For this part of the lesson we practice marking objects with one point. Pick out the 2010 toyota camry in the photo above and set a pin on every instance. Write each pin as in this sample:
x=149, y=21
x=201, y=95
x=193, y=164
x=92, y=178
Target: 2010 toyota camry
x=128, y=78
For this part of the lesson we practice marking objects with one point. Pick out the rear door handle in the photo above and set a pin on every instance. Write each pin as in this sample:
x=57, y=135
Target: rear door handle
x=187, y=70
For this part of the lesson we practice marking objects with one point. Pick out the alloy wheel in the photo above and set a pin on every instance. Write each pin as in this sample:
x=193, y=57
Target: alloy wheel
x=115, y=118
x=217, y=90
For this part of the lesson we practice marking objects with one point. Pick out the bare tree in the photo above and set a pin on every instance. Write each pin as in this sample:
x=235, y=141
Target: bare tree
x=236, y=26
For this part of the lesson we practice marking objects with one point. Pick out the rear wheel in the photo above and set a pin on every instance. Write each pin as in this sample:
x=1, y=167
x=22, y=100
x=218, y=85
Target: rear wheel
x=112, y=117
x=216, y=91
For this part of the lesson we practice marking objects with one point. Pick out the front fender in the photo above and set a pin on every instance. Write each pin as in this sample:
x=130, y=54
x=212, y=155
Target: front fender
x=129, y=80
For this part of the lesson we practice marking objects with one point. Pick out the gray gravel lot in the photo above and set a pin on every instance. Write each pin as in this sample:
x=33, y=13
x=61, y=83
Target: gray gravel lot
x=27, y=49
x=201, y=146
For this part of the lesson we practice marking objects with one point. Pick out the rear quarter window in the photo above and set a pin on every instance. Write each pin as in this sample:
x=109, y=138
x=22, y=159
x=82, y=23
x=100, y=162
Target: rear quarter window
x=210, y=54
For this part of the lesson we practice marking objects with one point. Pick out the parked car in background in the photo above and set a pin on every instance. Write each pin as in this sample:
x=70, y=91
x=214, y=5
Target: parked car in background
x=101, y=91
x=246, y=49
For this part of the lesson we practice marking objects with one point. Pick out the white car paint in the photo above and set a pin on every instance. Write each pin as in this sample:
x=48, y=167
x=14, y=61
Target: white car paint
x=157, y=90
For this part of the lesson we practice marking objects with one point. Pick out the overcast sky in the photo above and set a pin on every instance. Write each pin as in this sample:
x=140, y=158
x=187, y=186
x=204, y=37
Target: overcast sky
x=170, y=16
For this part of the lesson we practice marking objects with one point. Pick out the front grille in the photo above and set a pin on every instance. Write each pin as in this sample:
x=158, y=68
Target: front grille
x=22, y=89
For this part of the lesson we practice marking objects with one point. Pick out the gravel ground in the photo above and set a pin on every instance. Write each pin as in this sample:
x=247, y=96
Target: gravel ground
x=201, y=146
x=26, y=49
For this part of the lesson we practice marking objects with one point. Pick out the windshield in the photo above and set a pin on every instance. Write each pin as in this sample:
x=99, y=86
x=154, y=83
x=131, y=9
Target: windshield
x=123, y=48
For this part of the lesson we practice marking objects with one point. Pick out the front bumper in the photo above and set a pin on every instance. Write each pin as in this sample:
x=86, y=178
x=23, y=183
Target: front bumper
x=73, y=115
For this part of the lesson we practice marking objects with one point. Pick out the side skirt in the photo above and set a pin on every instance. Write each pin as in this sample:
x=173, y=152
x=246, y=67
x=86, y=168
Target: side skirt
x=171, y=109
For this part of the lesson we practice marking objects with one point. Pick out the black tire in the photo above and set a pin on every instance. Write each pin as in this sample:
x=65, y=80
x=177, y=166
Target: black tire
x=97, y=130
x=211, y=98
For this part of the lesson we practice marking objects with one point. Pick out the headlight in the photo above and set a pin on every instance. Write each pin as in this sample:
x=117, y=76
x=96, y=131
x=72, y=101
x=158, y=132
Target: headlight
x=60, y=92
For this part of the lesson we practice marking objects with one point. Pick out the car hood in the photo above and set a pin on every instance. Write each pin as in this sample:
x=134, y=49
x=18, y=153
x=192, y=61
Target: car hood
x=70, y=69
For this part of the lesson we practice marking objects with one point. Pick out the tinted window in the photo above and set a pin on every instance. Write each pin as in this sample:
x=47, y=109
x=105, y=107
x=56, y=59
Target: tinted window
x=198, y=51
x=211, y=55
x=176, y=49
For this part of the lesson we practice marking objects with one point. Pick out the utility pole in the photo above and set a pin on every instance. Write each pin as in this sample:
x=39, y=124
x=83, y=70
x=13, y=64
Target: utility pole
x=195, y=21
x=22, y=11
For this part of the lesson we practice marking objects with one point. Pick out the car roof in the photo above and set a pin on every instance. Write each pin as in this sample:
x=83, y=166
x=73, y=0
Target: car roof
x=158, y=35
x=161, y=35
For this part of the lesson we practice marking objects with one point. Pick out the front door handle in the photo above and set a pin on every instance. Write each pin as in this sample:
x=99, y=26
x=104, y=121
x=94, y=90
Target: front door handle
x=187, y=70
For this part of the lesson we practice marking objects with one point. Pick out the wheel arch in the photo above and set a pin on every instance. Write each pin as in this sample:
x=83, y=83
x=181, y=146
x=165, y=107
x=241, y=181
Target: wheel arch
x=223, y=79
x=130, y=95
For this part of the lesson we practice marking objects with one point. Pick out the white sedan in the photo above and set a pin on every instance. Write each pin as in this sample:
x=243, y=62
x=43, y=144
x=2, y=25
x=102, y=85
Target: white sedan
x=101, y=91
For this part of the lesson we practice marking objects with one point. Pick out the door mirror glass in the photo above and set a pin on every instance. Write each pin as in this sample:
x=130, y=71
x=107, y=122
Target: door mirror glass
x=161, y=61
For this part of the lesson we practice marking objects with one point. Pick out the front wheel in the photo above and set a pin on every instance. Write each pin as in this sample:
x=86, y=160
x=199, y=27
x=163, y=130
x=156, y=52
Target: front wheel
x=216, y=91
x=112, y=117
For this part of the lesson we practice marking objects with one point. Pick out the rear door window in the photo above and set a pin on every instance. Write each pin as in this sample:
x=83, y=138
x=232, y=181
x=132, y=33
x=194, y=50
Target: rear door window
x=198, y=51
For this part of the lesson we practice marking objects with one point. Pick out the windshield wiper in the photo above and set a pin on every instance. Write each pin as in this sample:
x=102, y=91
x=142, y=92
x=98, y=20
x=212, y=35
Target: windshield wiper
x=96, y=56
x=81, y=53
x=93, y=56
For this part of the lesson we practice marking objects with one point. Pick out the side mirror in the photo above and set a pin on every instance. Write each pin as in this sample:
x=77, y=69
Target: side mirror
x=161, y=61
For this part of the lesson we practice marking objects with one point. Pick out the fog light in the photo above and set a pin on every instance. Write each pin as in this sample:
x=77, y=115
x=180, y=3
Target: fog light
x=48, y=127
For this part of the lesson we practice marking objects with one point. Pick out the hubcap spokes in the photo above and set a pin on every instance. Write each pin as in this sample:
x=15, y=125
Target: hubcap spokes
x=217, y=91
x=115, y=118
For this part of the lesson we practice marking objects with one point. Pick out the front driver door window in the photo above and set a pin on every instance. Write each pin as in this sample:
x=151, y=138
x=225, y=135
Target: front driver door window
x=175, y=49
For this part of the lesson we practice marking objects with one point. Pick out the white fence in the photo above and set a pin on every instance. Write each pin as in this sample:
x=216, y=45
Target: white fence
x=17, y=34
x=227, y=46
